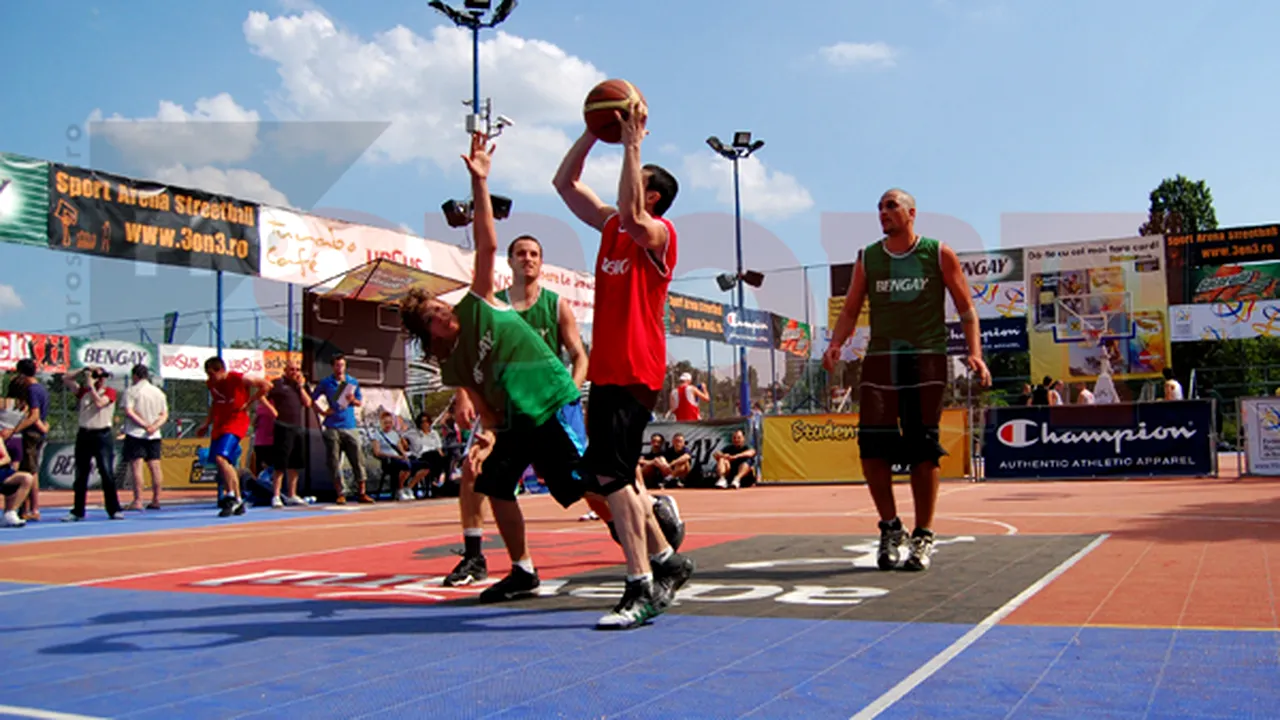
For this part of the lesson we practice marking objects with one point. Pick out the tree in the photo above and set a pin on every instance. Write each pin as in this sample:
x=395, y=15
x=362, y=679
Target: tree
x=1179, y=205
x=265, y=343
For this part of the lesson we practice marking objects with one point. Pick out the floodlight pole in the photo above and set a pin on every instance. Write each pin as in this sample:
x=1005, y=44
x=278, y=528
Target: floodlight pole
x=744, y=386
x=219, y=328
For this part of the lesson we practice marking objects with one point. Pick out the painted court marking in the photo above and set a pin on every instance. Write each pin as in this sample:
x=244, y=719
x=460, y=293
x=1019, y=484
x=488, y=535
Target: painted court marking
x=15, y=711
x=937, y=662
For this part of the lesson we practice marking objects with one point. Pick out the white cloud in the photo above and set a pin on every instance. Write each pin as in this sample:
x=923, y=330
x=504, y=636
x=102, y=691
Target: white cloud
x=766, y=194
x=216, y=130
x=419, y=85
x=854, y=55
x=240, y=184
x=9, y=299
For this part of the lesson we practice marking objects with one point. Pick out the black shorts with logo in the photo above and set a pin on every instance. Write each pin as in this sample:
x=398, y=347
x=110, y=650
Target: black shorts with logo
x=901, y=407
x=136, y=448
x=554, y=449
x=617, y=416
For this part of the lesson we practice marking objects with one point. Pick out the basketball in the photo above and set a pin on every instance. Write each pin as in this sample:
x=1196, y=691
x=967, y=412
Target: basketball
x=606, y=105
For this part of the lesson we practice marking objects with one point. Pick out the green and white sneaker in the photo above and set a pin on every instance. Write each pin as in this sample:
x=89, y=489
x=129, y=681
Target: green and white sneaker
x=634, y=609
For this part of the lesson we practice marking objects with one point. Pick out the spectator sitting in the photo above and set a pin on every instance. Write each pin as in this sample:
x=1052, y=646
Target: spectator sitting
x=427, y=460
x=392, y=450
x=14, y=485
x=679, y=462
x=736, y=460
x=653, y=469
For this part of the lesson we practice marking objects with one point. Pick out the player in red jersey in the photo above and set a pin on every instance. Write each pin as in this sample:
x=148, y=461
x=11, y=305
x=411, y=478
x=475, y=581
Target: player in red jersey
x=628, y=357
x=232, y=394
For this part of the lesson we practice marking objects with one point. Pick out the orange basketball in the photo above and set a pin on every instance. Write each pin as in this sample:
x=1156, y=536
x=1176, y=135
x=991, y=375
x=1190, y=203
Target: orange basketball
x=606, y=106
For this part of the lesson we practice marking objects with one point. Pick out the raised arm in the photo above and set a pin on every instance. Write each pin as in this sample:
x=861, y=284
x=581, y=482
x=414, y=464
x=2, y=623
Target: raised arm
x=582, y=201
x=632, y=215
x=958, y=285
x=572, y=341
x=848, y=320
x=486, y=233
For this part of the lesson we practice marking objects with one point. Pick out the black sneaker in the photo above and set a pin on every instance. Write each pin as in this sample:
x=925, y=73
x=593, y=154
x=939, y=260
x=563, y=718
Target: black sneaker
x=668, y=578
x=892, y=538
x=634, y=609
x=238, y=507
x=226, y=505
x=518, y=583
x=468, y=570
x=921, y=551
x=667, y=513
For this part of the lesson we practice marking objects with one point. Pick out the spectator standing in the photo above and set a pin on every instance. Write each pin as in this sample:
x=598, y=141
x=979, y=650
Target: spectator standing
x=341, y=433
x=1084, y=396
x=95, y=408
x=1172, y=388
x=289, y=396
x=146, y=411
x=685, y=397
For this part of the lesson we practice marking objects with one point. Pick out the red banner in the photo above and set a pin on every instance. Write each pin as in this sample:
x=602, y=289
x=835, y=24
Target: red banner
x=52, y=353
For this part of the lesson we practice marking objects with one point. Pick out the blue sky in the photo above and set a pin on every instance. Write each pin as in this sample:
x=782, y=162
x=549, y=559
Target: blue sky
x=1070, y=112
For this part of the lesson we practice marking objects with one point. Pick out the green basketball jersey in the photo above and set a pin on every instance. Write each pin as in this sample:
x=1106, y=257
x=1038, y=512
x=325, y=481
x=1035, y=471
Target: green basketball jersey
x=907, y=299
x=501, y=358
x=543, y=315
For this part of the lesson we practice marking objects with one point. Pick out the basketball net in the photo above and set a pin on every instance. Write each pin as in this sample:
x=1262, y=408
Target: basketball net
x=1092, y=337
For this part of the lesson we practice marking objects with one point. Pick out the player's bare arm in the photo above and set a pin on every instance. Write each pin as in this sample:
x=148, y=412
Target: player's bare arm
x=581, y=200
x=572, y=341
x=635, y=219
x=486, y=233
x=700, y=391
x=958, y=285
x=848, y=319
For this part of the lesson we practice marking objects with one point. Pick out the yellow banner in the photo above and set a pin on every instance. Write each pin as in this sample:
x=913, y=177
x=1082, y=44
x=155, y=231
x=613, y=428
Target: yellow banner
x=275, y=360
x=824, y=448
x=835, y=306
x=178, y=462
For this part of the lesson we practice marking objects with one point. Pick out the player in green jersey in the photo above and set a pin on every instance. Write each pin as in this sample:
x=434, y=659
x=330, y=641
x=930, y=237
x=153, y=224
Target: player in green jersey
x=905, y=279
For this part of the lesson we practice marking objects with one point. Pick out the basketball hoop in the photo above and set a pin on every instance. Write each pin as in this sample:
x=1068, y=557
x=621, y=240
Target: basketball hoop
x=1092, y=336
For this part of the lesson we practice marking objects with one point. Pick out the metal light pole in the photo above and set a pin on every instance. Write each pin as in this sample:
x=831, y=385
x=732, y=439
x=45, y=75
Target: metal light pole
x=472, y=18
x=741, y=149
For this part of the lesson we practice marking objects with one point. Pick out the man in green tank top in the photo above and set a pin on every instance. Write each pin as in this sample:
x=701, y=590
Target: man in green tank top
x=905, y=279
x=522, y=392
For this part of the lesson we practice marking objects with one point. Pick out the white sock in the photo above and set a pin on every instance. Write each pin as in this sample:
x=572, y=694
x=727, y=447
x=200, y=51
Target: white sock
x=647, y=578
x=662, y=556
x=525, y=565
x=472, y=532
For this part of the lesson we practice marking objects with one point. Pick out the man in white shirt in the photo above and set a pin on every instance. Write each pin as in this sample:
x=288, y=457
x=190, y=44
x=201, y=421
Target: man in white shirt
x=1084, y=396
x=146, y=411
x=1172, y=388
x=95, y=406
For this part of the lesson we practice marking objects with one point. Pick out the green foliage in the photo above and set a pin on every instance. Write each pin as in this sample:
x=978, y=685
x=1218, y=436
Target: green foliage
x=1179, y=205
x=263, y=343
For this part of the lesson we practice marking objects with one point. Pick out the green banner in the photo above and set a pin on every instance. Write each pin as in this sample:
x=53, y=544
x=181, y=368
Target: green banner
x=1226, y=283
x=24, y=200
x=117, y=356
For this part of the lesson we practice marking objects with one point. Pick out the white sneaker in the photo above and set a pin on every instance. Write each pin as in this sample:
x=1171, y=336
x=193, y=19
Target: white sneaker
x=116, y=516
x=589, y=516
x=276, y=502
x=406, y=494
x=722, y=483
x=737, y=484
x=72, y=517
x=11, y=519
x=294, y=501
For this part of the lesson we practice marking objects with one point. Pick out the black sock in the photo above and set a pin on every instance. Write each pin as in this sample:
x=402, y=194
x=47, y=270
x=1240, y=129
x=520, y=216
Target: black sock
x=471, y=545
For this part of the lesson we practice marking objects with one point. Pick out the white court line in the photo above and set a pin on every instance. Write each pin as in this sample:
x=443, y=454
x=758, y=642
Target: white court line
x=213, y=566
x=936, y=663
x=15, y=711
x=1009, y=529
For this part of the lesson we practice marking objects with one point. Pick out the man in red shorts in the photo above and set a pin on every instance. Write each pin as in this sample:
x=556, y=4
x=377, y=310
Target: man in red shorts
x=629, y=358
x=905, y=278
x=228, y=418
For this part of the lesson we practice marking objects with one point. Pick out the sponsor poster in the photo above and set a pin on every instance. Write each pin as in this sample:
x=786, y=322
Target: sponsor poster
x=1232, y=320
x=180, y=462
x=1082, y=441
x=52, y=353
x=824, y=448
x=117, y=217
x=792, y=336
x=998, y=335
x=694, y=317
x=752, y=328
x=1261, y=419
x=1188, y=251
x=702, y=438
x=186, y=362
x=116, y=356
x=388, y=282
x=1228, y=283
x=1115, y=285
x=274, y=362
x=24, y=200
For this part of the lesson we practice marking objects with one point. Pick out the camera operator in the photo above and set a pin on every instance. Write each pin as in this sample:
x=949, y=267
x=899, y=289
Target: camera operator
x=95, y=406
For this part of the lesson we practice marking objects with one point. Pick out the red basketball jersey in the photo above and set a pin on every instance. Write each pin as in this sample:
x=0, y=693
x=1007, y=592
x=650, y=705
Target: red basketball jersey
x=685, y=404
x=228, y=413
x=629, y=335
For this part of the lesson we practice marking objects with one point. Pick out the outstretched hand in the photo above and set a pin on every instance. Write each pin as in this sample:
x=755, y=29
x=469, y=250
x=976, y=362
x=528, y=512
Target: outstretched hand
x=480, y=159
x=633, y=124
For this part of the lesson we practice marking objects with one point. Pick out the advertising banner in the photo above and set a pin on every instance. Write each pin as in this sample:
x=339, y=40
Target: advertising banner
x=1112, y=287
x=112, y=216
x=275, y=361
x=1233, y=320
x=996, y=284
x=752, y=328
x=1228, y=283
x=52, y=353
x=1186, y=252
x=116, y=356
x=1084, y=441
x=24, y=200
x=824, y=448
x=791, y=336
x=702, y=438
x=186, y=362
x=1261, y=420
x=998, y=335
x=694, y=317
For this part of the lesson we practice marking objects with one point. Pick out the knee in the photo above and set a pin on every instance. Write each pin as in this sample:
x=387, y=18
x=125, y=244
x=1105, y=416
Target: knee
x=921, y=445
